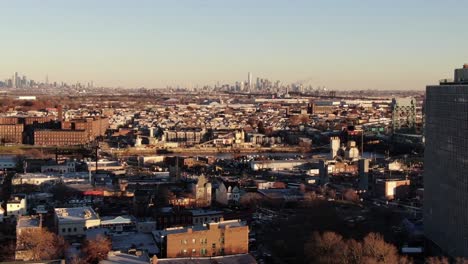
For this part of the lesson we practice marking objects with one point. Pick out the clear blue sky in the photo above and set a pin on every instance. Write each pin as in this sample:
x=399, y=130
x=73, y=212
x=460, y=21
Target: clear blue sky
x=342, y=44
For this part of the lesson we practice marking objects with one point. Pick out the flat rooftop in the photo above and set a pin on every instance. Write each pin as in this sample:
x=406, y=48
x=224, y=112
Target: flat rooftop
x=231, y=259
x=181, y=230
x=141, y=241
x=201, y=212
x=35, y=176
x=76, y=214
x=27, y=222
x=117, y=257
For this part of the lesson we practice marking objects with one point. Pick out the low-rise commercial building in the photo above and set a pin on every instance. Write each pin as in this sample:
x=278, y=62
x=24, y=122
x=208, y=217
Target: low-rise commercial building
x=34, y=179
x=213, y=239
x=75, y=221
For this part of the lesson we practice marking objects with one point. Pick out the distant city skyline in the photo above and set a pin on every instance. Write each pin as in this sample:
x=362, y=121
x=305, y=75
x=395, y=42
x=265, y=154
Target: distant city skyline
x=343, y=45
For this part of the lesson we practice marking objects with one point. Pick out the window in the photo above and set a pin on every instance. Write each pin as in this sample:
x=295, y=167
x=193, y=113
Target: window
x=64, y=230
x=193, y=240
x=194, y=251
x=74, y=229
x=69, y=230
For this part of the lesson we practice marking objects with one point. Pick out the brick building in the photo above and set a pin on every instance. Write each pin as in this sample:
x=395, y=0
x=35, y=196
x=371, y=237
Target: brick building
x=11, y=133
x=8, y=120
x=94, y=127
x=73, y=132
x=60, y=137
x=19, y=129
x=213, y=239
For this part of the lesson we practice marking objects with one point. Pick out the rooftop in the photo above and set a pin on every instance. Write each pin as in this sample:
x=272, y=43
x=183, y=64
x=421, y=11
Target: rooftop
x=200, y=212
x=111, y=220
x=140, y=241
x=28, y=222
x=232, y=259
x=35, y=176
x=116, y=257
x=76, y=214
x=180, y=230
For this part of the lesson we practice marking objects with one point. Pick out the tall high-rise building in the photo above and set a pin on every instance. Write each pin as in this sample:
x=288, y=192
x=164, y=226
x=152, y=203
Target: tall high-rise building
x=403, y=114
x=15, y=80
x=446, y=164
x=249, y=82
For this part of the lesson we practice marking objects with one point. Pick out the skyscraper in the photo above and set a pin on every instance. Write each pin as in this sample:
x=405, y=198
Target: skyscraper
x=249, y=81
x=15, y=80
x=446, y=164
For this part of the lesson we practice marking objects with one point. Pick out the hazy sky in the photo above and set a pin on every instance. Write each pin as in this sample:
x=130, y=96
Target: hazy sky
x=342, y=44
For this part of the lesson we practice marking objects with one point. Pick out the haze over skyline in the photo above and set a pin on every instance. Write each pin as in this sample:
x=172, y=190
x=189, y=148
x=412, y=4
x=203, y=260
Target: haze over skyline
x=154, y=44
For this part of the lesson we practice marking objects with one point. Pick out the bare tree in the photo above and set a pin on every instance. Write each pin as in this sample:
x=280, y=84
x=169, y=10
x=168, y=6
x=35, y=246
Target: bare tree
x=96, y=249
x=437, y=260
x=326, y=248
x=330, y=247
x=350, y=195
x=40, y=244
x=376, y=249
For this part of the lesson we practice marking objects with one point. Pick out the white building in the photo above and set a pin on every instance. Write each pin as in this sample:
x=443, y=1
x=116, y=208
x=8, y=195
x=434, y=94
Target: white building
x=119, y=223
x=145, y=160
x=17, y=205
x=351, y=152
x=75, y=221
x=68, y=167
x=276, y=164
x=103, y=164
x=34, y=179
x=227, y=192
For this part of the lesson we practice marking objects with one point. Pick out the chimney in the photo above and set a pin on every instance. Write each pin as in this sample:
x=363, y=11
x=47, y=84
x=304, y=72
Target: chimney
x=465, y=66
